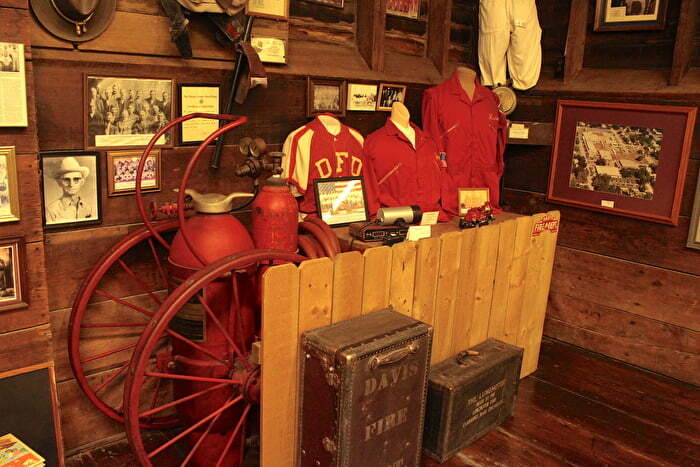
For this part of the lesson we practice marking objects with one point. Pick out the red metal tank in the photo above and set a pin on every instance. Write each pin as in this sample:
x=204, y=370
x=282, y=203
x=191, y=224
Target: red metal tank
x=275, y=216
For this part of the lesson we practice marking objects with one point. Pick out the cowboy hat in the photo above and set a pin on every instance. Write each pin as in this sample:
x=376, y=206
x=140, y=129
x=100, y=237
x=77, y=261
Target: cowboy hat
x=71, y=164
x=74, y=20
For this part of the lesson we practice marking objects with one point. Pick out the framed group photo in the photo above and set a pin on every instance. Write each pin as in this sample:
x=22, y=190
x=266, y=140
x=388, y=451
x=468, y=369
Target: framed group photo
x=12, y=290
x=390, y=93
x=405, y=8
x=362, y=97
x=9, y=195
x=620, y=158
x=198, y=98
x=341, y=200
x=630, y=15
x=70, y=189
x=325, y=96
x=122, y=112
x=121, y=172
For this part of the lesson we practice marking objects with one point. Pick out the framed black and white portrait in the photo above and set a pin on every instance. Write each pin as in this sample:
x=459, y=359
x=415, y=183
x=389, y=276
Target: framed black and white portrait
x=11, y=274
x=123, y=112
x=71, y=189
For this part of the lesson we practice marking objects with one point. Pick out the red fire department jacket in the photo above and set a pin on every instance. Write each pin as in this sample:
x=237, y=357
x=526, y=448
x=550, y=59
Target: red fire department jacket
x=472, y=132
x=313, y=152
x=405, y=175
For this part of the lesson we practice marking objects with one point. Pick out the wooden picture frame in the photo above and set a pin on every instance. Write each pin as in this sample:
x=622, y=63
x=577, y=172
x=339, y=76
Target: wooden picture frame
x=274, y=9
x=388, y=94
x=30, y=410
x=13, y=79
x=326, y=96
x=9, y=193
x=54, y=191
x=121, y=172
x=630, y=15
x=197, y=98
x=694, y=229
x=620, y=158
x=332, y=3
x=12, y=274
x=104, y=95
x=362, y=97
x=404, y=8
x=341, y=192
x=468, y=198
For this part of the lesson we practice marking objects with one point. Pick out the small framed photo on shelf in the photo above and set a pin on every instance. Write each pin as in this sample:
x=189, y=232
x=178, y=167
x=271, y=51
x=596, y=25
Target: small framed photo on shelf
x=619, y=158
x=362, y=97
x=270, y=49
x=325, y=96
x=333, y=3
x=13, y=98
x=274, y=9
x=630, y=15
x=198, y=98
x=121, y=172
x=405, y=8
x=71, y=189
x=390, y=93
x=342, y=200
x=122, y=112
x=694, y=231
x=12, y=274
x=9, y=194
x=471, y=198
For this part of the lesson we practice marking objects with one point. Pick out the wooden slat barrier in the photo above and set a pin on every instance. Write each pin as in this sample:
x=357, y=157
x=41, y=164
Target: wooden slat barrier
x=469, y=285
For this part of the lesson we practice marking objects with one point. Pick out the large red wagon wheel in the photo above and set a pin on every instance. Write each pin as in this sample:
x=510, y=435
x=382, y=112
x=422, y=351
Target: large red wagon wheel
x=215, y=389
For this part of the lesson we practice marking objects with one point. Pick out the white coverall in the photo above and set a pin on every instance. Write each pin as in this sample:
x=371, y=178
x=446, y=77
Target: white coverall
x=509, y=29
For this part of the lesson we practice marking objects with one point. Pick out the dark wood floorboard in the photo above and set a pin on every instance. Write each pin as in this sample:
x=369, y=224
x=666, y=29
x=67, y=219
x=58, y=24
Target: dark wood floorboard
x=579, y=409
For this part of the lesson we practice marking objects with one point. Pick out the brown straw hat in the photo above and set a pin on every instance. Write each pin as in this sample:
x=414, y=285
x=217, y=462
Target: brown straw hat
x=74, y=20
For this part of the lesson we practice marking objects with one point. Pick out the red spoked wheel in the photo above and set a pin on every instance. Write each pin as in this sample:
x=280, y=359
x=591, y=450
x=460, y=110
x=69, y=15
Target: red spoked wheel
x=207, y=369
x=104, y=327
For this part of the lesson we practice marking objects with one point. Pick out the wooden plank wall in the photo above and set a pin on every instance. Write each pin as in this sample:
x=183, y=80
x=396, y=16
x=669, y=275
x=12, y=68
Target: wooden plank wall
x=469, y=285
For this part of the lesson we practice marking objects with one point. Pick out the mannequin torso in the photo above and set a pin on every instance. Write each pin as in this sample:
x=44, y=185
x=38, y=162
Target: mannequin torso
x=401, y=117
x=466, y=79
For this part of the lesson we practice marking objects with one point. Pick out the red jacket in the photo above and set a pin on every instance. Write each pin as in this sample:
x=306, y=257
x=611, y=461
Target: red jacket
x=473, y=135
x=405, y=175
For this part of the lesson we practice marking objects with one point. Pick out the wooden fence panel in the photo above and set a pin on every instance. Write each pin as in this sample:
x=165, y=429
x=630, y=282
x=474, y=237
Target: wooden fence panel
x=516, y=285
x=466, y=290
x=403, y=275
x=484, y=268
x=448, y=275
x=427, y=263
x=348, y=272
x=377, y=277
x=315, y=294
x=279, y=365
x=499, y=303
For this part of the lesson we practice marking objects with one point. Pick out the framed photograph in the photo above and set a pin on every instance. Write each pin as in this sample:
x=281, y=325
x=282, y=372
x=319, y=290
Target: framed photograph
x=620, y=158
x=12, y=274
x=9, y=195
x=390, y=93
x=342, y=200
x=471, y=198
x=270, y=49
x=630, y=15
x=333, y=3
x=29, y=408
x=694, y=231
x=325, y=96
x=13, y=87
x=122, y=112
x=198, y=98
x=121, y=172
x=362, y=97
x=405, y=8
x=71, y=189
x=275, y=9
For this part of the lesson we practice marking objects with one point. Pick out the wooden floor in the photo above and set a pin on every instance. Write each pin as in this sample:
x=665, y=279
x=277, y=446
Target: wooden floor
x=578, y=409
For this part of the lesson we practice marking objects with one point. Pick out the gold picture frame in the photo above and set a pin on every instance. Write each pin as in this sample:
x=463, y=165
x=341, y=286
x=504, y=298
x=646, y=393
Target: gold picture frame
x=9, y=193
x=471, y=198
x=121, y=172
x=274, y=9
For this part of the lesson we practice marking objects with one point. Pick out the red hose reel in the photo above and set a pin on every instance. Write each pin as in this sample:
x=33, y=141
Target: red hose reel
x=177, y=353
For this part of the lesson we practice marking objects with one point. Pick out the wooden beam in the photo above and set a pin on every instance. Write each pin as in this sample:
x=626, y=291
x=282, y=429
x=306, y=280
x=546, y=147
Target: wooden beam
x=683, y=50
x=575, y=39
x=439, y=24
x=371, y=26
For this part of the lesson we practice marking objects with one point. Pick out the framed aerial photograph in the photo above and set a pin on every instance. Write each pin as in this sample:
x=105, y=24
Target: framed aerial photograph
x=694, y=231
x=71, y=189
x=13, y=86
x=325, y=96
x=619, y=158
x=333, y=3
x=121, y=172
x=12, y=291
x=9, y=195
x=274, y=9
x=122, y=112
x=270, y=49
x=471, y=198
x=405, y=8
x=198, y=98
x=390, y=93
x=362, y=97
x=341, y=200
x=630, y=15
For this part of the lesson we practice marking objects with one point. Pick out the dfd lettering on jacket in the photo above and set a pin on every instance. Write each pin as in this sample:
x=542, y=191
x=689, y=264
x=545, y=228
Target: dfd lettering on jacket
x=325, y=167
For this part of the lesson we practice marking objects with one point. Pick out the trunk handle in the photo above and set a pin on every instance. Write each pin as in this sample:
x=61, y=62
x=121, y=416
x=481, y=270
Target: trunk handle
x=393, y=356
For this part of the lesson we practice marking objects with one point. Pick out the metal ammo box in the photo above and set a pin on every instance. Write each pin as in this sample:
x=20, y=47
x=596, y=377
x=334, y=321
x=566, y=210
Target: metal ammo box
x=363, y=392
x=468, y=395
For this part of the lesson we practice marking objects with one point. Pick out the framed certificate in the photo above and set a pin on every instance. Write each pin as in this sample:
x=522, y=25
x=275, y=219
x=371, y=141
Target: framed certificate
x=341, y=200
x=198, y=98
x=13, y=88
x=276, y=9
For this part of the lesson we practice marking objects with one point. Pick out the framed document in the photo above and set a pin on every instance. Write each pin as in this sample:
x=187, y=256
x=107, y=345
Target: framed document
x=270, y=49
x=9, y=195
x=13, y=88
x=276, y=9
x=121, y=172
x=342, y=200
x=472, y=198
x=198, y=98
